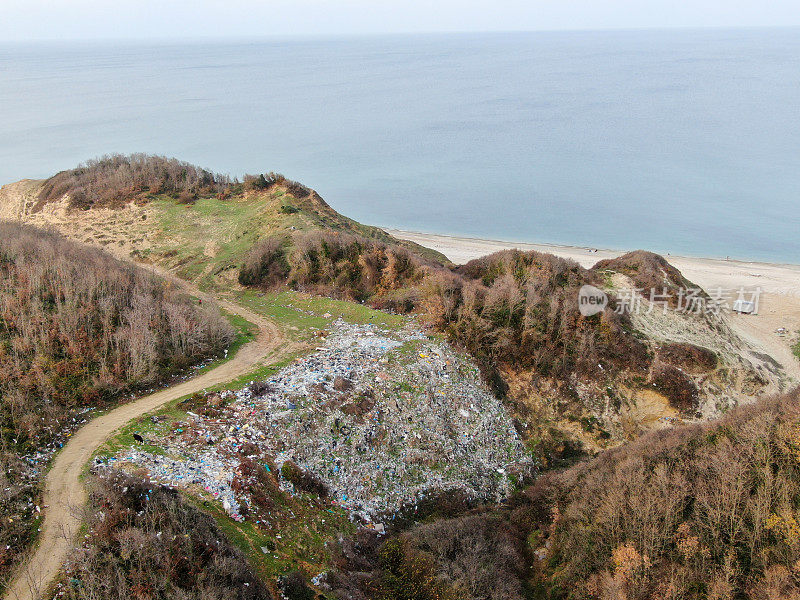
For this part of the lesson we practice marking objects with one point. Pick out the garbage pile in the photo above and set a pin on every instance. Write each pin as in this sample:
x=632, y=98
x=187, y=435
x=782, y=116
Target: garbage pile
x=381, y=418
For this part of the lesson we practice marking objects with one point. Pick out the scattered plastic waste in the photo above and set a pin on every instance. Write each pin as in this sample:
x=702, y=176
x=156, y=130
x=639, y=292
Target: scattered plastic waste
x=382, y=418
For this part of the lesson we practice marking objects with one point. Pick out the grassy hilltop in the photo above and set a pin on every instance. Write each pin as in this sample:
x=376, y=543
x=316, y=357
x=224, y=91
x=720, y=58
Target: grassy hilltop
x=198, y=224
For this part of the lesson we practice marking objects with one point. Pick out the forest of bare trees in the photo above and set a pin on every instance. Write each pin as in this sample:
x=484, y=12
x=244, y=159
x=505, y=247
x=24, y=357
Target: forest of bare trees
x=77, y=329
x=701, y=511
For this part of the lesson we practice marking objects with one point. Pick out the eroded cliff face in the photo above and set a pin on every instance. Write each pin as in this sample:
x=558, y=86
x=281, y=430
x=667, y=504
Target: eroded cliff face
x=699, y=368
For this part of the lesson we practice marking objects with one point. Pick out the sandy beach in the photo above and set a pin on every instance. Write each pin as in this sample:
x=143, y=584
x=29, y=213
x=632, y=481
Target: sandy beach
x=773, y=330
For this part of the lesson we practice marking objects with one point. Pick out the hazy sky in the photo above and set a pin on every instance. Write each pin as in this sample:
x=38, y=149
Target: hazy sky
x=84, y=19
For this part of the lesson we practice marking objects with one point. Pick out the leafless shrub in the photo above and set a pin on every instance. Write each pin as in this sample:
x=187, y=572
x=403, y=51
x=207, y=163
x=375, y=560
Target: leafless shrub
x=113, y=180
x=145, y=542
x=303, y=480
x=689, y=357
x=704, y=507
x=512, y=307
x=677, y=386
x=648, y=271
x=265, y=264
x=77, y=328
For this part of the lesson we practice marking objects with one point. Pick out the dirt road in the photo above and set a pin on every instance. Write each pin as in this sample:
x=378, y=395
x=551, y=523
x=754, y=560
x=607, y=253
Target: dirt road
x=65, y=494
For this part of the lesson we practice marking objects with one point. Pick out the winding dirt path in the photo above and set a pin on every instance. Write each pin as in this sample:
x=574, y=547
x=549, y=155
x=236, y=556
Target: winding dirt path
x=65, y=495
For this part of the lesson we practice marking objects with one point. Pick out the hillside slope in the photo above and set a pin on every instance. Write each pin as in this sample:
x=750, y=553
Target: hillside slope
x=201, y=235
x=574, y=384
x=78, y=330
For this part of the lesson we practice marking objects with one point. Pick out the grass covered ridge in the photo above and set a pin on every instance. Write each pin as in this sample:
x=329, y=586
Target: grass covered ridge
x=190, y=220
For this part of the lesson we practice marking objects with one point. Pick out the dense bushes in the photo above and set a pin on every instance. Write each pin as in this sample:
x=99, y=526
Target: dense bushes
x=648, y=271
x=704, y=511
x=351, y=266
x=333, y=263
x=265, y=264
x=18, y=487
x=144, y=541
x=77, y=326
x=688, y=357
x=512, y=307
x=478, y=556
x=303, y=480
x=263, y=181
x=520, y=308
x=113, y=180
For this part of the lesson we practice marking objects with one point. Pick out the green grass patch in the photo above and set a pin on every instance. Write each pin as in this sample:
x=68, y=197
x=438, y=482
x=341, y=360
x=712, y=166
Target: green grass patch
x=206, y=239
x=301, y=314
x=296, y=539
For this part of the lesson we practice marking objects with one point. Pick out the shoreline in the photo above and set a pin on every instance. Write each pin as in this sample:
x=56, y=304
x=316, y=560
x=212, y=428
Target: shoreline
x=773, y=278
x=772, y=331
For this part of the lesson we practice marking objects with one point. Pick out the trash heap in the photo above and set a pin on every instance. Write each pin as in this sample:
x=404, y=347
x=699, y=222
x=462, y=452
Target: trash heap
x=382, y=418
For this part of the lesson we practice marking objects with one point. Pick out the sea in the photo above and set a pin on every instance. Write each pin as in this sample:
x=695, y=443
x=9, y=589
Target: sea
x=680, y=141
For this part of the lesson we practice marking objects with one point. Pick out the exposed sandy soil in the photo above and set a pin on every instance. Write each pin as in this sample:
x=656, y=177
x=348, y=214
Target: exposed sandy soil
x=65, y=494
x=779, y=305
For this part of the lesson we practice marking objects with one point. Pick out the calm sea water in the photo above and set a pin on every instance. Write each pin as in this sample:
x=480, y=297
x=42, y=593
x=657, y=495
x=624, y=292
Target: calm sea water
x=680, y=141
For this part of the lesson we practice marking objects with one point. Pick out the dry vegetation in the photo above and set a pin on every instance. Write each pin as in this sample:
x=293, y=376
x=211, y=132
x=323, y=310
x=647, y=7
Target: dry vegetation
x=648, y=271
x=335, y=264
x=77, y=328
x=115, y=180
x=520, y=308
x=480, y=555
x=509, y=309
x=696, y=512
x=145, y=542
x=705, y=511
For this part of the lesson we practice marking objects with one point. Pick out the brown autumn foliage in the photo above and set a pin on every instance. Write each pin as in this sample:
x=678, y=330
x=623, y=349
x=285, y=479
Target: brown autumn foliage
x=113, y=180
x=705, y=511
x=77, y=329
x=510, y=308
x=266, y=264
x=480, y=555
x=689, y=357
x=700, y=511
x=18, y=487
x=144, y=541
x=520, y=308
x=303, y=480
x=335, y=264
x=676, y=385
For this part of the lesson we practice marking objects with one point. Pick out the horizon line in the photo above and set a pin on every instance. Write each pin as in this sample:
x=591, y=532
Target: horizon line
x=385, y=34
